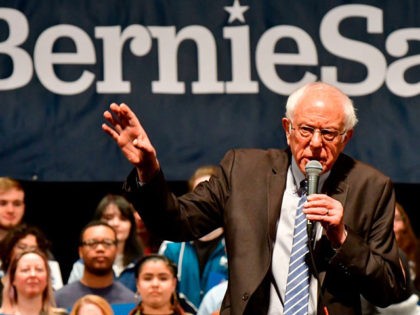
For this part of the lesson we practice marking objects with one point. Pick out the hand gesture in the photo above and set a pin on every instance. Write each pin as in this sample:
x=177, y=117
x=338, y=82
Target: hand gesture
x=329, y=212
x=125, y=128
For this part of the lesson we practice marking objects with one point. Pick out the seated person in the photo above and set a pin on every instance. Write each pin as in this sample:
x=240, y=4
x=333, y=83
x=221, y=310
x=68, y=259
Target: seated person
x=120, y=214
x=212, y=301
x=156, y=284
x=12, y=205
x=91, y=304
x=408, y=245
x=26, y=237
x=201, y=263
x=27, y=286
x=98, y=249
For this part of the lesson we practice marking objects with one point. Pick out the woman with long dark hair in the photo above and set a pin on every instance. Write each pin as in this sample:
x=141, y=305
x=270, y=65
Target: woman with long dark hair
x=156, y=285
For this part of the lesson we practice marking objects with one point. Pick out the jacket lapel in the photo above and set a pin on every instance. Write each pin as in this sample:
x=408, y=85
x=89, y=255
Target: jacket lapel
x=276, y=185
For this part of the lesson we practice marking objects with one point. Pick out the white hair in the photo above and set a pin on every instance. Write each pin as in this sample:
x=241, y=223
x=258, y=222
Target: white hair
x=350, y=118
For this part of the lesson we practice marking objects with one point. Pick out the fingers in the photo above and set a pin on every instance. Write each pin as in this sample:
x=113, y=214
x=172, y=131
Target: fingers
x=323, y=208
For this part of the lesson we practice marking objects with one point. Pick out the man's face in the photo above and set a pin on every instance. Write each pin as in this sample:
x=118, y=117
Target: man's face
x=98, y=250
x=12, y=208
x=322, y=111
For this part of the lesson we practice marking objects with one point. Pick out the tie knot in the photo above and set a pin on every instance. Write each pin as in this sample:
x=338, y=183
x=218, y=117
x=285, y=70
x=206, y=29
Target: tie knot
x=303, y=189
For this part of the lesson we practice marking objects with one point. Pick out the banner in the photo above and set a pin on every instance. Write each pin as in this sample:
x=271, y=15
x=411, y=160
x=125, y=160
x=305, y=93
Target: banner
x=203, y=77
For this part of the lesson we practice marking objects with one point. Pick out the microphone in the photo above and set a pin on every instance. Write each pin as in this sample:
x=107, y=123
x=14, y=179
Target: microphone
x=313, y=168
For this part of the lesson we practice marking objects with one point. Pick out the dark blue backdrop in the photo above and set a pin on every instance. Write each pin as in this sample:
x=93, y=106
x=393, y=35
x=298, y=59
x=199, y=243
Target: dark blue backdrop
x=203, y=76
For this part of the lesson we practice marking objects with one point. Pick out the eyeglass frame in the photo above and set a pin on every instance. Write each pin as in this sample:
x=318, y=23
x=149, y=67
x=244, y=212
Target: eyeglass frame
x=322, y=131
x=93, y=244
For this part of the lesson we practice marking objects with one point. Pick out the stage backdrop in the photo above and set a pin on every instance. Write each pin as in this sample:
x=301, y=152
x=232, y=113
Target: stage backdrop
x=203, y=76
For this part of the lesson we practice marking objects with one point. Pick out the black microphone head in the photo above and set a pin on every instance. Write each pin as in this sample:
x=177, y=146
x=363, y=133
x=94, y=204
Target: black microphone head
x=313, y=167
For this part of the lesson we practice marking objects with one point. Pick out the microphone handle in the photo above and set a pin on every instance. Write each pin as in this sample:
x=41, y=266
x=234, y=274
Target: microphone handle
x=312, y=189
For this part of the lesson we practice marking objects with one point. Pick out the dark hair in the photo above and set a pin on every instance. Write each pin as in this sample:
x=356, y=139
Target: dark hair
x=156, y=257
x=15, y=235
x=177, y=307
x=133, y=248
x=95, y=223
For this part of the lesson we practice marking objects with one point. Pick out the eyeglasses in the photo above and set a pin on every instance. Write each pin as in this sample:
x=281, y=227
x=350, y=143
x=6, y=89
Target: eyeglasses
x=93, y=244
x=307, y=132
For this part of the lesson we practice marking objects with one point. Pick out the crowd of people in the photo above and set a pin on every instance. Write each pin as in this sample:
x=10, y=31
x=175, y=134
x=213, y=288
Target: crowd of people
x=116, y=273
x=226, y=244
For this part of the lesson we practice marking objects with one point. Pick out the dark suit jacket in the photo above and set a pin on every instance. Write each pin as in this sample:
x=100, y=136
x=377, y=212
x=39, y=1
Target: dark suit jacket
x=245, y=198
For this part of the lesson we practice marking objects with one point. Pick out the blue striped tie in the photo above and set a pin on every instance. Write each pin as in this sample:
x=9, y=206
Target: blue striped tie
x=297, y=288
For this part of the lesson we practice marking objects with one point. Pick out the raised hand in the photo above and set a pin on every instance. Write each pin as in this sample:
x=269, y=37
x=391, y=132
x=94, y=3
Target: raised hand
x=125, y=128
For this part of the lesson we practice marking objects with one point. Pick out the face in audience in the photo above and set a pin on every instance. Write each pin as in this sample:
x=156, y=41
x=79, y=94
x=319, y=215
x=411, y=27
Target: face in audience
x=399, y=224
x=27, y=243
x=113, y=216
x=12, y=208
x=31, y=276
x=156, y=285
x=98, y=249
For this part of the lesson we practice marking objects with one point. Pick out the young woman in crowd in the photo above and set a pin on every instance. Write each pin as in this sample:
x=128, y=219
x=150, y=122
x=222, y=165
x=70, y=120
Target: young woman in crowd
x=120, y=214
x=156, y=285
x=91, y=304
x=27, y=286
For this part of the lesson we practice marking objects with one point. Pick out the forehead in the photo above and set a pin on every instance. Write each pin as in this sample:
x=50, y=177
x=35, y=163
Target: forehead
x=320, y=107
x=90, y=309
x=12, y=193
x=99, y=231
x=30, y=259
x=28, y=239
x=112, y=209
x=155, y=266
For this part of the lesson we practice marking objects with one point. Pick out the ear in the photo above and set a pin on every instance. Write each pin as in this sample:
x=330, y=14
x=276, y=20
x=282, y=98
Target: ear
x=81, y=252
x=348, y=136
x=286, y=127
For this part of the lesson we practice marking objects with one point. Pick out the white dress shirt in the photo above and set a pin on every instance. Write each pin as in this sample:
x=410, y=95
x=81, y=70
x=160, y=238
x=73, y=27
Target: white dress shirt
x=284, y=241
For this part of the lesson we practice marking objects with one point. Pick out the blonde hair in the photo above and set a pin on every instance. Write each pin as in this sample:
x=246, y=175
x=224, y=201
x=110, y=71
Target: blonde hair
x=8, y=183
x=10, y=295
x=206, y=170
x=92, y=299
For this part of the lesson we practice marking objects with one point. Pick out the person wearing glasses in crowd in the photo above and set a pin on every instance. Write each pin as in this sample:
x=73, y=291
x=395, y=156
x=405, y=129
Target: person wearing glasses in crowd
x=254, y=196
x=120, y=214
x=98, y=249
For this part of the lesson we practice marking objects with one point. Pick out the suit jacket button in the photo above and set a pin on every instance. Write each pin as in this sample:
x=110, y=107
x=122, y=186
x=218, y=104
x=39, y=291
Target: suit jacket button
x=245, y=297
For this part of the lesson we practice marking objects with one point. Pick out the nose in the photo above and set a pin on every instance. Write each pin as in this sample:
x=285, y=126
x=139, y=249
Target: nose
x=155, y=282
x=316, y=140
x=10, y=208
x=114, y=222
x=32, y=273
